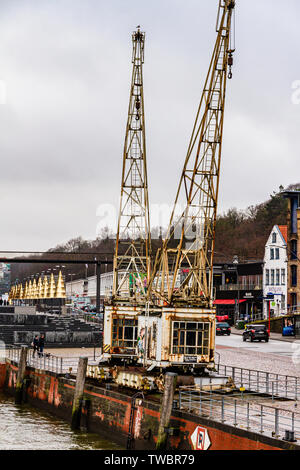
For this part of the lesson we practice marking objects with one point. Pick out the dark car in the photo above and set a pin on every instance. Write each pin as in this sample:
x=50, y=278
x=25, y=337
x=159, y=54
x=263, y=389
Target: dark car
x=223, y=329
x=256, y=333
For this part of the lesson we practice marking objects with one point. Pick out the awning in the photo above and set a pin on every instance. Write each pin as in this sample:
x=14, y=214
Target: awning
x=227, y=302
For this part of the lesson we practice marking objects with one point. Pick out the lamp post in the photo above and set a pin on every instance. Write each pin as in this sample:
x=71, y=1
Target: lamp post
x=72, y=274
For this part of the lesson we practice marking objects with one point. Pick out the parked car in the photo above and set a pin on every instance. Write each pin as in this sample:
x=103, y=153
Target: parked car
x=223, y=329
x=222, y=318
x=256, y=333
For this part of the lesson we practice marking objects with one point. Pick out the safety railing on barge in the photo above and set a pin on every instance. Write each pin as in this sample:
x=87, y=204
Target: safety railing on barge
x=47, y=361
x=276, y=385
x=240, y=413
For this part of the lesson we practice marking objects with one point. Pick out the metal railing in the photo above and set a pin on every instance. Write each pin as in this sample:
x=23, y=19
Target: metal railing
x=259, y=418
x=275, y=385
x=47, y=361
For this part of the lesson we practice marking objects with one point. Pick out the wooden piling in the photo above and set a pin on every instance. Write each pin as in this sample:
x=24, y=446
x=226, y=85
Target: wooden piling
x=79, y=391
x=21, y=375
x=166, y=410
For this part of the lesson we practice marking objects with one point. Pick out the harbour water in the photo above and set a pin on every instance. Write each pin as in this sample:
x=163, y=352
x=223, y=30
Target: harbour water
x=26, y=428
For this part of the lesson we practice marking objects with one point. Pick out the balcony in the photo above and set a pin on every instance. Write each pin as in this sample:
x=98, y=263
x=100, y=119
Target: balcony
x=240, y=287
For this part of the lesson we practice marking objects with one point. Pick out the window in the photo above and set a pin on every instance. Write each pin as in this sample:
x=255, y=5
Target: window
x=274, y=238
x=272, y=277
x=294, y=250
x=272, y=253
x=190, y=338
x=294, y=301
x=277, y=256
x=124, y=334
x=267, y=277
x=294, y=276
x=283, y=277
x=277, y=277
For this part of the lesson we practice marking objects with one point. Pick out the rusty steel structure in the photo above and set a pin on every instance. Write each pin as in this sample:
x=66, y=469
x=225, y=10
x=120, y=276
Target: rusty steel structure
x=182, y=276
x=173, y=325
x=133, y=242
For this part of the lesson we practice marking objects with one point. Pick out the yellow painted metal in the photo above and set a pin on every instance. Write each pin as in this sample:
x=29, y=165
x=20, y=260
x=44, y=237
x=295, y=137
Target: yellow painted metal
x=60, y=292
x=133, y=244
x=51, y=287
x=183, y=275
x=45, y=288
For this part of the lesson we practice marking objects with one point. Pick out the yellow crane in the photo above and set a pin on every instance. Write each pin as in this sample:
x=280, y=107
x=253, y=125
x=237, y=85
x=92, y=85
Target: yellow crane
x=183, y=275
x=173, y=325
x=133, y=241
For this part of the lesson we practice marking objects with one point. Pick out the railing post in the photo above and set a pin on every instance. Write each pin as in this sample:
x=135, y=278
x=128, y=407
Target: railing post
x=61, y=365
x=235, y=404
x=262, y=419
x=248, y=415
x=223, y=411
x=296, y=389
x=276, y=422
x=267, y=382
x=200, y=404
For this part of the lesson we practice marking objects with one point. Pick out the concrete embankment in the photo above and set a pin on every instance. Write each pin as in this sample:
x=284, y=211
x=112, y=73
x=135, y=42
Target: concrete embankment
x=115, y=415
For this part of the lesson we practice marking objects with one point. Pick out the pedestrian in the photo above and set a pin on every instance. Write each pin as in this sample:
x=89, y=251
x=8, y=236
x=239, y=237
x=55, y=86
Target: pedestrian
x=41, y=345
x=35, y=344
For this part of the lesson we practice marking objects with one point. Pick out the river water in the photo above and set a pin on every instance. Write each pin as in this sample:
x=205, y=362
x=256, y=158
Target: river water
x=26, y=428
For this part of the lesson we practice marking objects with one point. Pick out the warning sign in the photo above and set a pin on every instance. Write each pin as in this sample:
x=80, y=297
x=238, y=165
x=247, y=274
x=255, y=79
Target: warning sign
x=200, y=439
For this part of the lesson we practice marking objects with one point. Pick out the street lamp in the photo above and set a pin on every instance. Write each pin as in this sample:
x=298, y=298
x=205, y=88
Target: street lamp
x=72, y=274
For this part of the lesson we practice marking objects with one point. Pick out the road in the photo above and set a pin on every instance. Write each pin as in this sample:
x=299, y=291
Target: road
x=275, y=356
x=272, y=347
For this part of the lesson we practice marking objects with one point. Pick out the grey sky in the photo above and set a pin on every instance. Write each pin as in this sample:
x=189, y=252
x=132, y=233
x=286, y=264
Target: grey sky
x=67, y=68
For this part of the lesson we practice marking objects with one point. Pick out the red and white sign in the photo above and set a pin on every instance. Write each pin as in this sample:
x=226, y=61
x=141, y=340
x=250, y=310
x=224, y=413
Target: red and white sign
x=200, y=439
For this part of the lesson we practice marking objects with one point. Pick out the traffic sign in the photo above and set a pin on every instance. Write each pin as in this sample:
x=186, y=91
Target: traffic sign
x=200, y=439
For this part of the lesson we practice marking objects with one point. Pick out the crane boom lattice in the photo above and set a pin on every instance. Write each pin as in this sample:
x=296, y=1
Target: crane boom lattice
x=132, y=253
x=183, y=275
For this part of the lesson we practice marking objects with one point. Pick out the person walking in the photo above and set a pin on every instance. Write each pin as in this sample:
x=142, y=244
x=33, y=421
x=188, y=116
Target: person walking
x=35, y=344
x=41, y=345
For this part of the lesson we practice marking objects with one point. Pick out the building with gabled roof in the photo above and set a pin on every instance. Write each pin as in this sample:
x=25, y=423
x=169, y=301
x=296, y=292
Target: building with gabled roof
x=275, y=272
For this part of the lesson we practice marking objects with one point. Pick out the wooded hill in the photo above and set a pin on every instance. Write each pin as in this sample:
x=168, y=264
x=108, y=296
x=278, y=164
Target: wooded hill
x=241, y=233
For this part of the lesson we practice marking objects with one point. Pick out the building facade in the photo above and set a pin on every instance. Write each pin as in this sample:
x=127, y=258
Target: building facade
x=275, y=272
x=238, y=290
x=293, y=234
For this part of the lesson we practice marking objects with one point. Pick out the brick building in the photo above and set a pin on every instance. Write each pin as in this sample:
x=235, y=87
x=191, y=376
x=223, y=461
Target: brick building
x=293, y=235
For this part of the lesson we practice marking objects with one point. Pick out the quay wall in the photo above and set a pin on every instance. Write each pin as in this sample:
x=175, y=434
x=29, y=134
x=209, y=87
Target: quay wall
x=107, y=412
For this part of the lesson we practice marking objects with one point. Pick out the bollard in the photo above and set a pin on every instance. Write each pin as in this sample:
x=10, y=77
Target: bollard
x=166, y=409
x=21, y=375
x=78, y=394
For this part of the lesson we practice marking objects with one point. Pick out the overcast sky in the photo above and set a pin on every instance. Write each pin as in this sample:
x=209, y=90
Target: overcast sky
x=66, y=67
